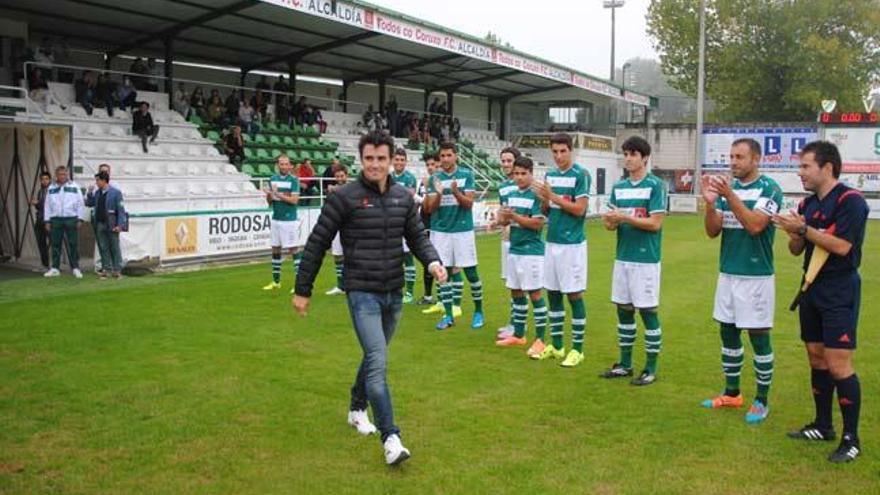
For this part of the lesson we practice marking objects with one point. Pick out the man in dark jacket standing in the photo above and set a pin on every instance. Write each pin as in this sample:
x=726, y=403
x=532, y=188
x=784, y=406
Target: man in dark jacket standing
x=110, y=219
x=373, y=216
x=39, y=204
x=142, y=125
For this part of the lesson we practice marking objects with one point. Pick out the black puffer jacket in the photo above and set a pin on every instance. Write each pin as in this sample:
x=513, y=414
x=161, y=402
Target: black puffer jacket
x=372, y=226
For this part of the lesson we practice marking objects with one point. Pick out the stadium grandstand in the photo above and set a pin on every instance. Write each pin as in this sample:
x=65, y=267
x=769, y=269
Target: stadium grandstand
x=318, y=74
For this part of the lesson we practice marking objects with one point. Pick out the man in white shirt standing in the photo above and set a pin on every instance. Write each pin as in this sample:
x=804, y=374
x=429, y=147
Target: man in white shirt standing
x=63, y=215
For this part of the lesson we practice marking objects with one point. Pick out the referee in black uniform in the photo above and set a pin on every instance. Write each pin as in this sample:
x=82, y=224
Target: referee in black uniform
x=832, y=218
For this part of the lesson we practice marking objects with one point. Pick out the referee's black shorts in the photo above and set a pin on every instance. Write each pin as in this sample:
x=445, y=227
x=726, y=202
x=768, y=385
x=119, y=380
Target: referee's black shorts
x=829, y=311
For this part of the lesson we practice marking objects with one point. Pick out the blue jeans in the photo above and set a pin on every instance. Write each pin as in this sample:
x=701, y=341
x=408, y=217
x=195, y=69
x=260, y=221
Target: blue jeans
x=375, y=316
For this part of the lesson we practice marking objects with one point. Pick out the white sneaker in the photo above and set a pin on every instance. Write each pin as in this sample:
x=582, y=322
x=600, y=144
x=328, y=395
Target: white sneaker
x=53, y=272
x=395, y=452
x=77, y=273
x=334, y=292
x=360, y=420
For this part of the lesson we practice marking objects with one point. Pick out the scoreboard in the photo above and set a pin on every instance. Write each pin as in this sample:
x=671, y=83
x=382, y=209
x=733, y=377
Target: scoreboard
x=850, y=118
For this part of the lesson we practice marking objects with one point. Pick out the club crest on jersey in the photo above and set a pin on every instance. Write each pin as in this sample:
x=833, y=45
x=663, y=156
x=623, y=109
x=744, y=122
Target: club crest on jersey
x=365, y=203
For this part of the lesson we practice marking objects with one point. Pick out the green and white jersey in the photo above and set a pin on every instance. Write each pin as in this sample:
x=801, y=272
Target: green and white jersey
x=506, y=187
x=406, y=179
x=741, y=252
x=284, y=184
x=450, y=217
x=639, y=199
x=525, y=241
x=572, y=184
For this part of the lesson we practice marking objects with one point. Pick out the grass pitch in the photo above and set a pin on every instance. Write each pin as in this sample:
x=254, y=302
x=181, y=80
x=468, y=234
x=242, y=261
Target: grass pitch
x=202, y=383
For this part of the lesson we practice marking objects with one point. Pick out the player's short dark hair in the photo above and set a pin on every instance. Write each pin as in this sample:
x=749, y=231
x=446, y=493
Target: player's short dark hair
x=754, y=146
x=447, y=145
x=45, y=174
x=104, y=176
x=432, y=156
x=400, y=152
x=339, y=167
x=824, y=153
x=561, y=138
x=376, y=139
x=59, y=168
x=637, y=144
x=282, y=155
x=512, y=150
x=524, y=162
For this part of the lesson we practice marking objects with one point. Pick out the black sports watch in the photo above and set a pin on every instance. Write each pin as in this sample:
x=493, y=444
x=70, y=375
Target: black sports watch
x=802, y=231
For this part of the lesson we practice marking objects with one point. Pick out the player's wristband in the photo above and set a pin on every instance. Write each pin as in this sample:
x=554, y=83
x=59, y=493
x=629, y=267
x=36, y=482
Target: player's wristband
x=802, y=231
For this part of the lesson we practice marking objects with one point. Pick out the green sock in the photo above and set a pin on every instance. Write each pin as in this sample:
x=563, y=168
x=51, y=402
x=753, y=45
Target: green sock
x=731, y=357
x=510, y=322
x=477, y=288
x=445, y=291
x=626, y=335
x=520, y=313
x=578, y=323
x=557, y=317
x=763, y=364
x=653, y=338
x=539, y=312
x=339, y=273
x=457, y=283
x=276, y=268
x=409, y=272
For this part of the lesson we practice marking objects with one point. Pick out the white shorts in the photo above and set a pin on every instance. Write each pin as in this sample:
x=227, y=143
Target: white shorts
x=505, y=250
x=285, y=234
x=565, y=267
x=336, y=246
x=747, y=302
x=637, y=284
x=525, y=272
x=458, y=249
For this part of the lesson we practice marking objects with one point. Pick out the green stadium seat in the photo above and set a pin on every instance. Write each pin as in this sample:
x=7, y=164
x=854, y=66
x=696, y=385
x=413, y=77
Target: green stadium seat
x=275, y=153
x=246, y=138
x=285, y=129
x=263, y=155
x=288, y=141
x=270, y=127
x=249, y=169
x=250, y=155
x=195, y=119
x=264, y=170
x=318, y=156
x=310, y=131
x=260, y=140
x=313, y=143
x=213, y=136
x=275, y=140
x=305, y=155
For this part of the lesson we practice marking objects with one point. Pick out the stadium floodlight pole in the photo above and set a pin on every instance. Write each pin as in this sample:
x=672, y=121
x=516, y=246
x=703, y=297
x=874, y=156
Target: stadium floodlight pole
x=701, y=90
x=613, y=5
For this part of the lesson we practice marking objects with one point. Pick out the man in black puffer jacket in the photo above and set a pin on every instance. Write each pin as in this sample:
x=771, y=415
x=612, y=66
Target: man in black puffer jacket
x=373, y=216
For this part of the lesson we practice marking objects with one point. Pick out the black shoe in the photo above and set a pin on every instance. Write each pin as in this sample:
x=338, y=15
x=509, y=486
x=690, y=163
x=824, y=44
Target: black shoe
x=617, y=371
x=646, y=378
x=811, y=432
x=425, y=301
x=847, y=451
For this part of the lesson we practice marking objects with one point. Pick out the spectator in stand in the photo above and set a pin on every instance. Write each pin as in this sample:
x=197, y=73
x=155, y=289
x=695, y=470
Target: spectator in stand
x=298, y=109
x=39, y=204
x=38, y=90
x=441, y=109
x=85, y=91
x=263, y=85
x=426, y=132
x=246, y=118
x=138, y=67
x=445, y=129
x=282, y=101
x=319, y=120
x=105, y=92
x=234, y=146
x=63, y=215
x=456, y=129
x=110, y=219
x=258, y=101
x=197, y=103
x=126, y=94
x=44, y=54
x=432, y=109
x=142, y=125
x=233, y=104
x=217, y=111
x=434, y=127
x=413, y=129
x=368, y=116
x=104, y=167
x=156, y=73
x=181, y=101
x=307, y=186
x=391, y=113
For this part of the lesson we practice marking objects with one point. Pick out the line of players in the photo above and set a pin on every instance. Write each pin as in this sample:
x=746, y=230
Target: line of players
x=743, y=211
